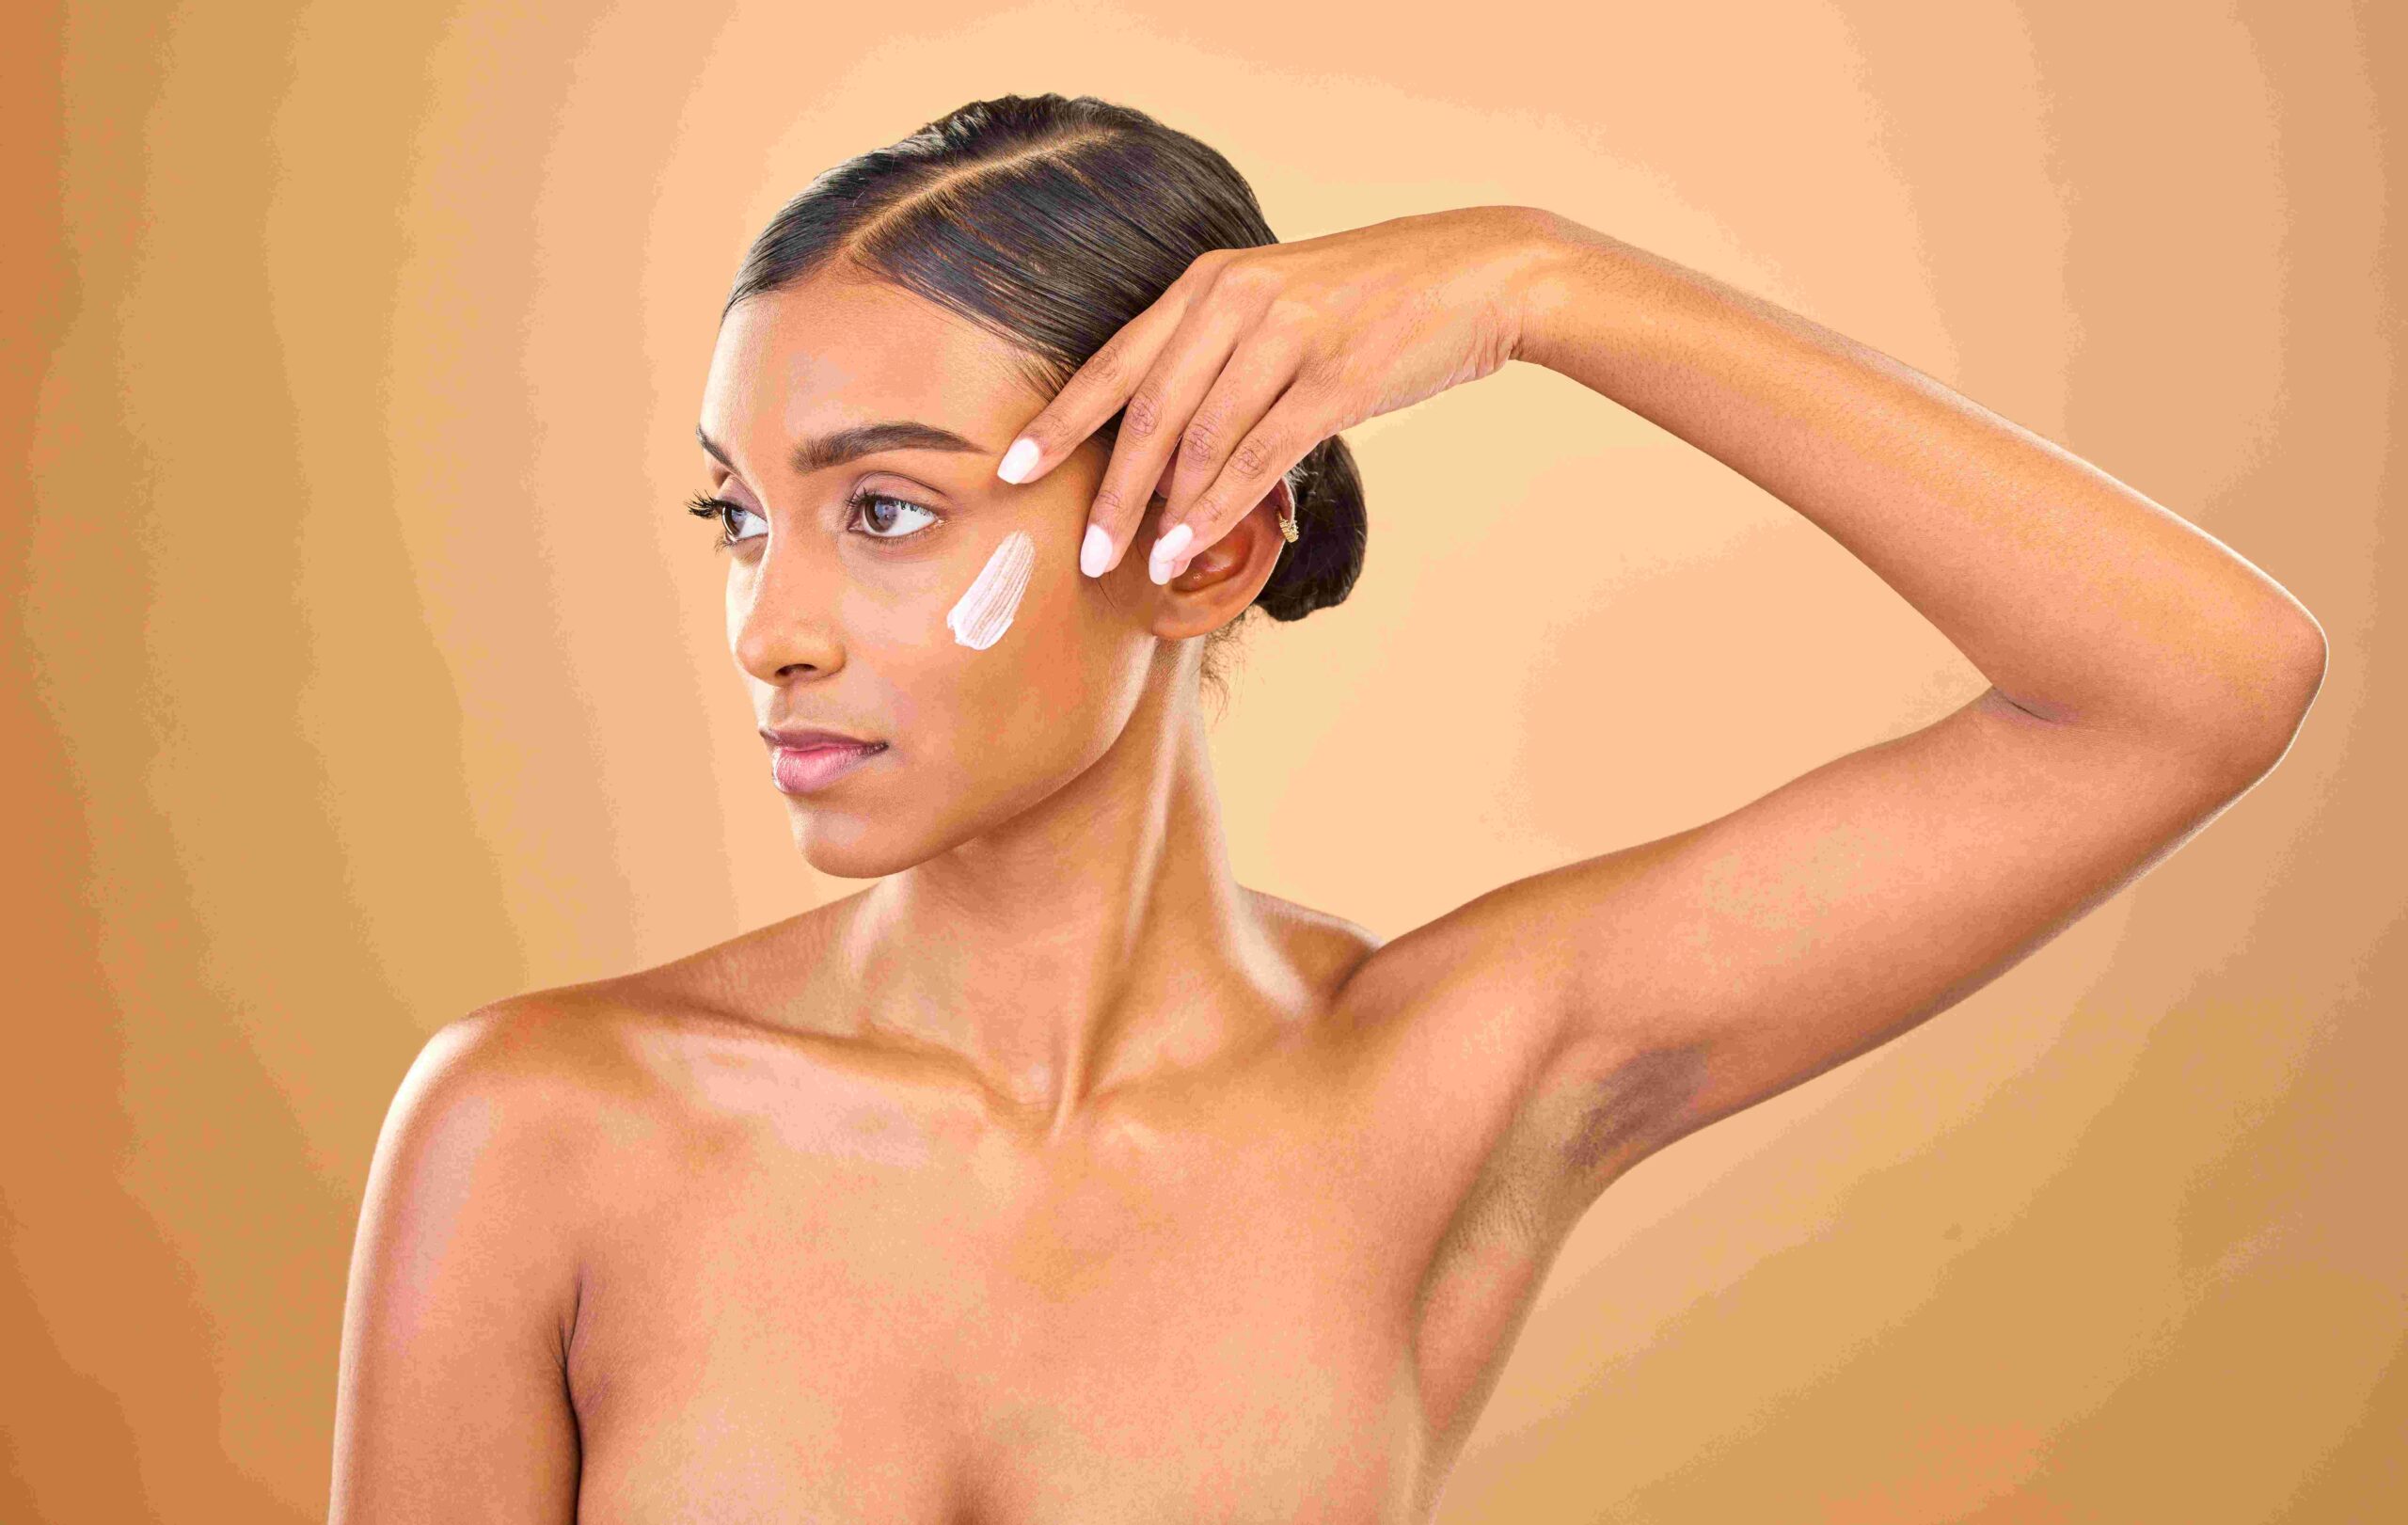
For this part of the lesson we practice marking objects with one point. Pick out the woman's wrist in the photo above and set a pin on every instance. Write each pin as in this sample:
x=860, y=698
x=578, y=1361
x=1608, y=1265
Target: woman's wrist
x=1577, y=283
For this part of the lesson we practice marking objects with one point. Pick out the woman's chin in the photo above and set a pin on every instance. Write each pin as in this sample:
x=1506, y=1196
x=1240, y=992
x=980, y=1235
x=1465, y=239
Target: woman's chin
x=847, y=850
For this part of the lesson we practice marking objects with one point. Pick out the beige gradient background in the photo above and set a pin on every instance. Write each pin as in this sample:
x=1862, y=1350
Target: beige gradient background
x=362, y=670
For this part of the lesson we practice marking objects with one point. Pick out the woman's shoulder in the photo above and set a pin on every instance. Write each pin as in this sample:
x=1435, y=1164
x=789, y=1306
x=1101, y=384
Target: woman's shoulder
x=533, y=1075
x=568, y=1059
x=573, y=1098
x=524, y=1129
x=494, y=1141
x=767, y=977
x=1326, y=949
x=625, y=1035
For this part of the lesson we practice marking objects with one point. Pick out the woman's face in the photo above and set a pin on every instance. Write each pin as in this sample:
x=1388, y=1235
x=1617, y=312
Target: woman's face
x=893, y=589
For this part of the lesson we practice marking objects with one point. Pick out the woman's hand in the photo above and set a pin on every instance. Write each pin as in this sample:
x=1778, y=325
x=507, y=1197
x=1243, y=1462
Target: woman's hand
x=1255, y=355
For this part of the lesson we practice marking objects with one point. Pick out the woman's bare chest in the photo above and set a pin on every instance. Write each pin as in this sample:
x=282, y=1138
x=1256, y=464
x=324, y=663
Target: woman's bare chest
x=879, y=1318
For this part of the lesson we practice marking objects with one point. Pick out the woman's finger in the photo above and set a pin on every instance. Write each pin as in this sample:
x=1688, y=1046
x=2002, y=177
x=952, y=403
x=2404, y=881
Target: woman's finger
x=1102, y=387
x=1151, y=427
x=1248, y=390
x=1266, y=364
x=1292, y=427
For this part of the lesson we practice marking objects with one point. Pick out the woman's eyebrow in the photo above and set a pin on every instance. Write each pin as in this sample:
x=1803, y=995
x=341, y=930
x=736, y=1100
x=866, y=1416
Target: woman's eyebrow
x=835, y=449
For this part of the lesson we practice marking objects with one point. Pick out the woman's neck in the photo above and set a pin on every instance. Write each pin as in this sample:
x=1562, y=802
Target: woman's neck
x=1095, y=938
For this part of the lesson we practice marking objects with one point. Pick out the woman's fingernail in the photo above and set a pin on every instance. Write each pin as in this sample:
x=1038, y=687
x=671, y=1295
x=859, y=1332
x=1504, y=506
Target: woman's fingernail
x=1096, y=554
x=1167, y=550
x=1017, y=461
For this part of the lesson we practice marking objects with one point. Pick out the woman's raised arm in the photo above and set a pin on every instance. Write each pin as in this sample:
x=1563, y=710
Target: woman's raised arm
x=2143, y=676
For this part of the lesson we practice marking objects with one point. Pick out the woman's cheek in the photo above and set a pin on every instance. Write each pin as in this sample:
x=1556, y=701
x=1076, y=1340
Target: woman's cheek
x=985, y=610
x=944, y=710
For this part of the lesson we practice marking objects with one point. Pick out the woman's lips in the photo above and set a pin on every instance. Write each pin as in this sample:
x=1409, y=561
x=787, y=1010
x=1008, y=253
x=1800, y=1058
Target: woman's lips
x=802, y=770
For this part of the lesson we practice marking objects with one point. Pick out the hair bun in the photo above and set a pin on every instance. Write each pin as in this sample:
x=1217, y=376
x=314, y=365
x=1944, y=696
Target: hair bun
x=1320, y=568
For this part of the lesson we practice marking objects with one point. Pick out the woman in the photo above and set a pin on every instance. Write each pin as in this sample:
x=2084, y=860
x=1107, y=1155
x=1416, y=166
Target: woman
x=1056, y=1176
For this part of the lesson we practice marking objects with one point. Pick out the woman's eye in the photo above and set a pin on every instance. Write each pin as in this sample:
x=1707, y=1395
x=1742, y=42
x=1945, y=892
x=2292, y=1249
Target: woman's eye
x=735, y=522
x=878, y=515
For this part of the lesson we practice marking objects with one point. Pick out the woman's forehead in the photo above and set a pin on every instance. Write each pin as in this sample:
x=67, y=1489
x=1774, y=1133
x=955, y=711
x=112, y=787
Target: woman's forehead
x=871, y=329
x=822, y=353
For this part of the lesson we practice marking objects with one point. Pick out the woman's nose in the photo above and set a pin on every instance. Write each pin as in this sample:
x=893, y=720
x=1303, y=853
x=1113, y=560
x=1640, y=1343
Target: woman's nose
x=781, y=620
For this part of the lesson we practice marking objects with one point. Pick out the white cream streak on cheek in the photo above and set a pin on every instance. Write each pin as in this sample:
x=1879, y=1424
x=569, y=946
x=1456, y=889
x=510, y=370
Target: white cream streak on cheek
x=985, y=613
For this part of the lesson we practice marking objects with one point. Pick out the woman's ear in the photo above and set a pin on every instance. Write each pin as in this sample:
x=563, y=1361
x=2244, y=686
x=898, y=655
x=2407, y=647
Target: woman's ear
x=1221, y=580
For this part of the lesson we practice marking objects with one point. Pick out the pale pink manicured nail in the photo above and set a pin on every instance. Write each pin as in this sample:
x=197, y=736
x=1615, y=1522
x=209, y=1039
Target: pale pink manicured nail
x=1167, y=550
x=1018, y=460
x=1096, y=554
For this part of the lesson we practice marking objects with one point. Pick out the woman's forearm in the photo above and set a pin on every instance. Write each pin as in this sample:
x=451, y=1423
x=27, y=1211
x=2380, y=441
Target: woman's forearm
x=2082, y=601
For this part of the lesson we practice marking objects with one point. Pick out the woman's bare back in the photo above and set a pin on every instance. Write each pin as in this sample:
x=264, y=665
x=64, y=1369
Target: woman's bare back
x=829, y=1279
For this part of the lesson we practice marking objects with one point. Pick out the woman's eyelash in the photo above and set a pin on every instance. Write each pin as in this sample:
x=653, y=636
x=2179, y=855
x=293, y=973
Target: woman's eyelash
x=701, y=505
x=864, y=498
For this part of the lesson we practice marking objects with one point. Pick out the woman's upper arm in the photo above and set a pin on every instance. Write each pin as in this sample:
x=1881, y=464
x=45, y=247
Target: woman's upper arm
x=1670, y=984
x=452, y=1402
